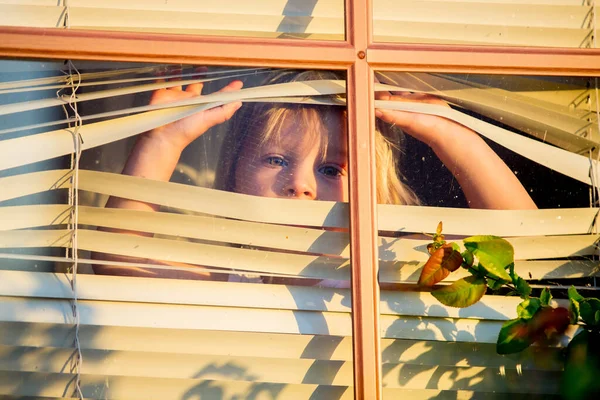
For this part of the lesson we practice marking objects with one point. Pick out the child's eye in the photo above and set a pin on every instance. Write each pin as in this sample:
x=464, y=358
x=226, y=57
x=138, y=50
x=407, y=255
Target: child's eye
x=331, y=170
x=277, y=161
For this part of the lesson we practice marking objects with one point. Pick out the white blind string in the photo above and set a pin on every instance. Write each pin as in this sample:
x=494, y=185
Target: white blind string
x=74, y=203
x=67, y=22
x=74, y=198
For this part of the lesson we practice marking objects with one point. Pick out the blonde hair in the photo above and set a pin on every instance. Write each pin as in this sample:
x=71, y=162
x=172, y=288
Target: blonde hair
x=264, y=121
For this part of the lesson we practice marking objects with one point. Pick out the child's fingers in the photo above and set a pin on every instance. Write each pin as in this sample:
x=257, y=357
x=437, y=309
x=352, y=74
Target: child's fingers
x=176, y=72
x=232, y=86
x=416, y=98
x=195, y=88
x=382, y=95
x=220, y=114
x=400, y=118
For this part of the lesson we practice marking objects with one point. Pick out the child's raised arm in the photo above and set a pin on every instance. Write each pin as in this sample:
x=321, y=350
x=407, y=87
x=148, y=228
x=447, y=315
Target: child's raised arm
x=155, y=156
x=484, y=178
x=156, y=152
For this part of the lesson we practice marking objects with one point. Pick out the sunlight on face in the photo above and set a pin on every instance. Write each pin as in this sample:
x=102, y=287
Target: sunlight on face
x=295, y=164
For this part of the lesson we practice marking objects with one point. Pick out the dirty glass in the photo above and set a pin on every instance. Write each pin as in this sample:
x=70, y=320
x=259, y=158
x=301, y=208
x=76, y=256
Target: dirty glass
x=148, y=236
x=487, y=216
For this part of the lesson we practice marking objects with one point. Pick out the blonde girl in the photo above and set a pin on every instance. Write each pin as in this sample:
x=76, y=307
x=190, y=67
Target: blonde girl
x=299, y=151
x=258, y=124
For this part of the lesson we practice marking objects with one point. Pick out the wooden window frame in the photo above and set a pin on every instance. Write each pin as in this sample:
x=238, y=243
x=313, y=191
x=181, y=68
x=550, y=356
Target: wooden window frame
x=359, y=57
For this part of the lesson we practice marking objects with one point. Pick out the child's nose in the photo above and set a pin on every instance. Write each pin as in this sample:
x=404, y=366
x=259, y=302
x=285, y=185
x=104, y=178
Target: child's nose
x=301, y=186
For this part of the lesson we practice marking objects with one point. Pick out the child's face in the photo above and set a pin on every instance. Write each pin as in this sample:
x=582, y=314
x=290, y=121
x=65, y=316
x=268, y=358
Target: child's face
x=294, y=166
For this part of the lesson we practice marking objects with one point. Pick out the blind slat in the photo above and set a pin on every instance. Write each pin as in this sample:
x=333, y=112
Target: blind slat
x=412, y=32
x=493, y=13
x=321, y=8
x=180, y=366
x=250, y=344
x=107, y=387
x=409, y=272
x=31, y=16
x=559, y=125
x=392, y=218
x=248, y=320
x=266, y=369
x=569, y=222
x=319, y=267
x=230, y=294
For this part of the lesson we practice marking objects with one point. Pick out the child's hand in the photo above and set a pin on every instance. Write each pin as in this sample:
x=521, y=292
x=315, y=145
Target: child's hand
x=484, y=178
x=156, y=153
x=430, y=129
x=181, y=133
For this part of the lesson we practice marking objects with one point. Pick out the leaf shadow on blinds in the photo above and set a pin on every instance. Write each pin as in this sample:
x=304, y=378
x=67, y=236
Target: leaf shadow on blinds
x=177, y=338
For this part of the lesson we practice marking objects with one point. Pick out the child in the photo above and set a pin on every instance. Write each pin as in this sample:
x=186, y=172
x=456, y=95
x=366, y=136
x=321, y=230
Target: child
x=299, y=151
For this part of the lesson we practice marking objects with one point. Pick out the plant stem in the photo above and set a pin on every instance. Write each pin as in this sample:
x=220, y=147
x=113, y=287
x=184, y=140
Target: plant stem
x=478, y=272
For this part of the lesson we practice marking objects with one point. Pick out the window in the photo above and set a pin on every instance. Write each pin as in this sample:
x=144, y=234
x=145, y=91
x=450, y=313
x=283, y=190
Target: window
x=359, y=57
x=534, y=131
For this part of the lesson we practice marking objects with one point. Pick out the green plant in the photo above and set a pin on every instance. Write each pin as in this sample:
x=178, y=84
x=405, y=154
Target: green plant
x=490, y=261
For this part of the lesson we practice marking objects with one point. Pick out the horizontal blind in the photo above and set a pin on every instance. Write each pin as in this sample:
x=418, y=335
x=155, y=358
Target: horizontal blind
x=173, y=338
x=559, y=112
x=321, y=19
x=170, y=340
x=567, y=23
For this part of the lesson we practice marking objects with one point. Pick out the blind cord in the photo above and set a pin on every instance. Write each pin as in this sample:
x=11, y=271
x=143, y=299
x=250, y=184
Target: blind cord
x=74, y=205
x=73, y=225
x=66, y=22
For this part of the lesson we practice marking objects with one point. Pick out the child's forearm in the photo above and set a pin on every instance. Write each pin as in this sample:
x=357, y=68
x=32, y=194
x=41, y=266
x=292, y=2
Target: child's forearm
x=485, y=179
x=151, y=158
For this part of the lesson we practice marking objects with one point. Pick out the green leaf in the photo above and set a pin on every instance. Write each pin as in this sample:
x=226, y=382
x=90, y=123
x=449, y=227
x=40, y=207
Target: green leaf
x=582, y=367
x=545, y=296
x=574, y=299
x=495, y=254
x=588, y=308
x=513, y=337
x=438, y=240
x=441, y=262
x=511, y=272
x=494, y=284
x=496, y=273
x=462, y=293
x=523, y=288
x=528, y=308
x=573, y=311
x=573, y=295
x=549, y=322
x=468, y=259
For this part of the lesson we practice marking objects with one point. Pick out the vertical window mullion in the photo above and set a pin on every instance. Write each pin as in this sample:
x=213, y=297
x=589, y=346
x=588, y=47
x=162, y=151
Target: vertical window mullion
x=363, y=205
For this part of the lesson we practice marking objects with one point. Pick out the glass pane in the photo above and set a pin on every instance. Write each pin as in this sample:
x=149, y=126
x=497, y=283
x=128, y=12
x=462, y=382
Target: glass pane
x=560, y=23
x=298, y=19
x=195, y=272
x=488, y=201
